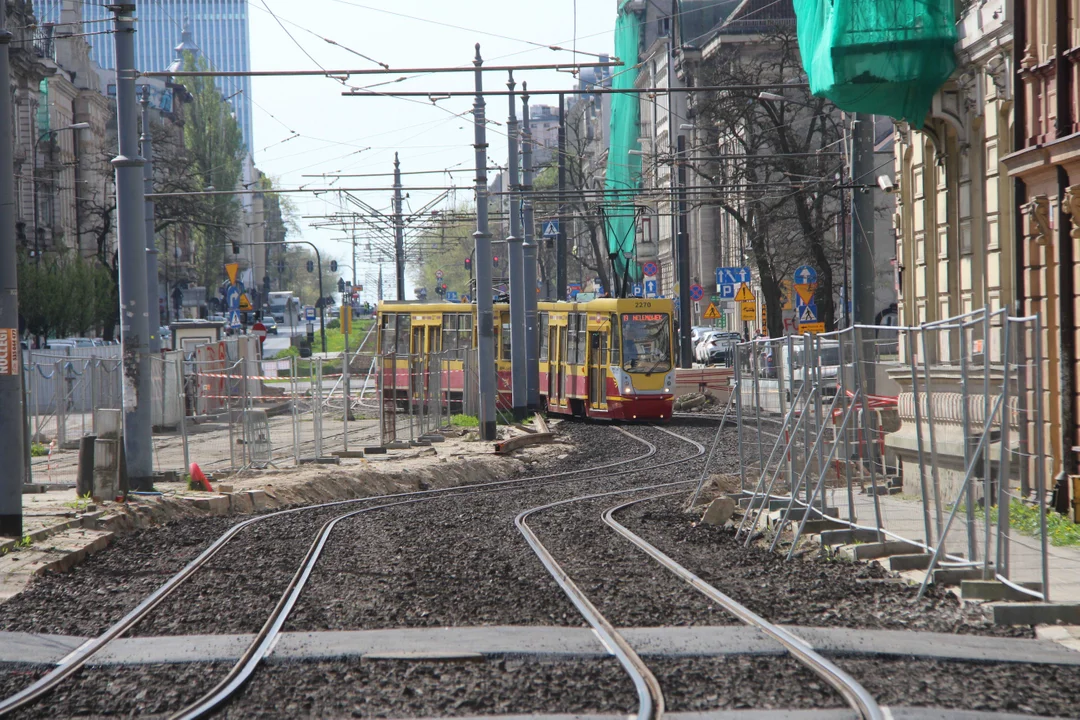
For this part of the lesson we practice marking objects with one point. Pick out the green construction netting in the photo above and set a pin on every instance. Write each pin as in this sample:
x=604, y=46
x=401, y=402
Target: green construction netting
x=623, y=169
x=884, y=57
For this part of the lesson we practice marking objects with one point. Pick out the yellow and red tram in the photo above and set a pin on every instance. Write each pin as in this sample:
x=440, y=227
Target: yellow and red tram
x=607, y=358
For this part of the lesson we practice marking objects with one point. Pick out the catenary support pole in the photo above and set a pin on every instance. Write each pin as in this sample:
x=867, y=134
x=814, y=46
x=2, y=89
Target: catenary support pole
x=151, y=246
x=560, y=240
x=518, y=329
x=485, y=319
x=862, y=241
x=11, y=400
x=399, y=232
x=532, y=335
x=130, y=230
x=683, y=259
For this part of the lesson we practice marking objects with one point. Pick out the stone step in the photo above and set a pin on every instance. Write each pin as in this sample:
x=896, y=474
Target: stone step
x=797, y=514
x=1037, y=613
x=816, y=527
x=848, y=536
x=995, y=590
x=876, y=550
x=917, y=561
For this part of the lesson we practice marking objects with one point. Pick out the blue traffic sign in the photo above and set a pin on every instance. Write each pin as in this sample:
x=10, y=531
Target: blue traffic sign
x=451, y=296
x=805, y=275
x=807, y=314
x=650, y=288
x=727, y=292
x=696, y=292
x=638, y=290
x=234, y=319
x=232, y=298
x=732, y=276
x=551, y=228
x=649, y=269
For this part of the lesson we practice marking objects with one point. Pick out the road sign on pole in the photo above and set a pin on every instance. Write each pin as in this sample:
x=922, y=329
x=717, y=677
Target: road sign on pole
x=259, y=331
x=732, y=275
x=439, y=274
x=696, y=292
x=451, y=296
x=805, y=275
x=749, y=312
x=711, y=313
x=744, y=294
x=649, y=269
x=551, y=229
x=650, y=288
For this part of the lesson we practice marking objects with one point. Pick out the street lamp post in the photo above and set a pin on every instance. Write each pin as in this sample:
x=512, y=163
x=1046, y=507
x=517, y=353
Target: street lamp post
x=34, y=179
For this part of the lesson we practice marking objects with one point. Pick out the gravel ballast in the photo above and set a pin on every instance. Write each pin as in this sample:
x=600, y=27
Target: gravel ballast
x=396, y=688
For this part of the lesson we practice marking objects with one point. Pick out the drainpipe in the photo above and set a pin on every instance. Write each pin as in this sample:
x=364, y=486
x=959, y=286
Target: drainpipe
x=1019, y=100
x=1066, y=286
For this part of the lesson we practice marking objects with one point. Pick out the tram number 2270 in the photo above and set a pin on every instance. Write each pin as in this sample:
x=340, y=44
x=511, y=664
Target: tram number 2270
x=640, y=305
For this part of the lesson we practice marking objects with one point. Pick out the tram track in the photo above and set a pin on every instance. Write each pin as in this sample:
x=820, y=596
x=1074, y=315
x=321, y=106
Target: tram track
x=83, y=655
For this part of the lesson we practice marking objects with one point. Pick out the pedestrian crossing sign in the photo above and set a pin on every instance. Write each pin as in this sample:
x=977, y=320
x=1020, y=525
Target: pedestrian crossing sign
x=711, y=313
x=551, y=228
x=808, y=314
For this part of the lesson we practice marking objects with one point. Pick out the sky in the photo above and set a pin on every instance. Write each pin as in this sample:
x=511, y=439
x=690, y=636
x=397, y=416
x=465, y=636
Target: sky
x=303, y=126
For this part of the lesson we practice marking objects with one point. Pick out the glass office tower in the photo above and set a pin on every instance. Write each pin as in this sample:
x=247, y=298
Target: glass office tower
x=218, y=29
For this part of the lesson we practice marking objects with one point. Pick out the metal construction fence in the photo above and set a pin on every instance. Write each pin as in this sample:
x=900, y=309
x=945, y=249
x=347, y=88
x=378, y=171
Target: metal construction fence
x=226, y=410
x=931, y=435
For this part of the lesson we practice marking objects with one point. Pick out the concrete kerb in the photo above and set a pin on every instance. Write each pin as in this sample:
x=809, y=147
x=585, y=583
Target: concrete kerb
x=455, y=463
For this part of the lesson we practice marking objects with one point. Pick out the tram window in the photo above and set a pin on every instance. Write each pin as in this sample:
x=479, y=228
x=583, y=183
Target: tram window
x=456, y=331
x=582, y=339
x=543, y=337
x=404, y=322
x=504, y=342
x=387, y=340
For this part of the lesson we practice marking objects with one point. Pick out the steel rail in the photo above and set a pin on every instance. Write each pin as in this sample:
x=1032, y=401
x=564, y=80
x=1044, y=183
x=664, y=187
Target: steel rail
x=78, y=658
x=853, y=692
x=650, y=694
x=75, y=660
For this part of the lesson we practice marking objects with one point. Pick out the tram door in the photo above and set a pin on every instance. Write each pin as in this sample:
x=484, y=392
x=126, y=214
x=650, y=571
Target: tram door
x=598, y=351
x=560, y=370
x=416, y=361
x=553, y=363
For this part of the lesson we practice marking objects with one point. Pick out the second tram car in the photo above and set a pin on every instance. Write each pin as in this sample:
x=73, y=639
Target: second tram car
x=604, y=358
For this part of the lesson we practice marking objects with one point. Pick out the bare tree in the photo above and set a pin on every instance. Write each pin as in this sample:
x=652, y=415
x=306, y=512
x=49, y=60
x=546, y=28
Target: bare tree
x=778, y=166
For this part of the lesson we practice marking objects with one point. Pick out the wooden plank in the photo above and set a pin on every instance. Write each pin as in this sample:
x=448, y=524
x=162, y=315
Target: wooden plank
x=541, y=423
x=508, y=446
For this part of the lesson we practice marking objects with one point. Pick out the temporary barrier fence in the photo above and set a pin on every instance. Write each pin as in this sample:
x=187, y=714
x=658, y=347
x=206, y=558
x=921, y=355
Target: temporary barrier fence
x=932, y=435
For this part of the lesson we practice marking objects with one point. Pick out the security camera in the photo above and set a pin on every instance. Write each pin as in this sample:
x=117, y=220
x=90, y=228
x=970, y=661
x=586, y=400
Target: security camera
x=886, y=183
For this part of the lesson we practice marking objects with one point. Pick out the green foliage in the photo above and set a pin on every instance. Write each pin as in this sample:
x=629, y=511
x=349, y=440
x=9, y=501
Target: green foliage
x=453, y=243
x=80, y=503
x=214, y=142
x=334, y=325
x=464, y=421
x=38, y=450
x=65, y=295
x=1060, y=530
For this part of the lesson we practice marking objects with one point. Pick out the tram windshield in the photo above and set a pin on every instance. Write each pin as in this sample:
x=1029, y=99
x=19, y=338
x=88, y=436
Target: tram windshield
x=646, y=342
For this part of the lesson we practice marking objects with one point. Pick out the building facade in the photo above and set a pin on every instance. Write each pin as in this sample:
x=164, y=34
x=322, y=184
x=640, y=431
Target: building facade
x=220, y=26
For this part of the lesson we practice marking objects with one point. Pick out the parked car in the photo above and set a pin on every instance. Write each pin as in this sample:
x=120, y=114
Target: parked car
x=716, y=346
x=270, y=323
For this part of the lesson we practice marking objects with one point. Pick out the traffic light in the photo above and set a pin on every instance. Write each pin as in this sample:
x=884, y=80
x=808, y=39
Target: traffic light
x=495, y=260
x=333, y=266
x=281, y=267
x=439, y=289
x=468, y=264
x=341, y=285
x=235, y=248
x=311, y=266
x=266, y=285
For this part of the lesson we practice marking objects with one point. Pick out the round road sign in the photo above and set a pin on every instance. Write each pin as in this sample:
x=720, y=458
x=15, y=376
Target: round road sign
x=649, y=269
x=439, y=274
x=259, y=331
x=696, y=292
